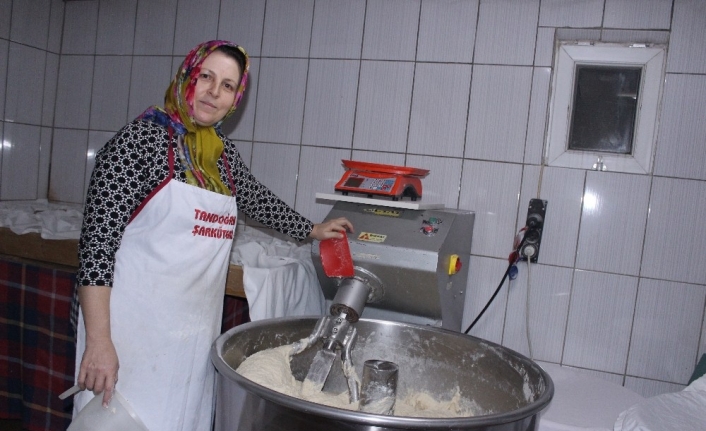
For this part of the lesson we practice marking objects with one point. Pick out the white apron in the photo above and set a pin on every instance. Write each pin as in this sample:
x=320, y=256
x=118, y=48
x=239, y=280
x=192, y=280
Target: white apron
x=166, y=304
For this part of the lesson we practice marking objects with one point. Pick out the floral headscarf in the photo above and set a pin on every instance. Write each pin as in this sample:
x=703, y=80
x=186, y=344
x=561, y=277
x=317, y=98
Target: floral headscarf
x=199, y=146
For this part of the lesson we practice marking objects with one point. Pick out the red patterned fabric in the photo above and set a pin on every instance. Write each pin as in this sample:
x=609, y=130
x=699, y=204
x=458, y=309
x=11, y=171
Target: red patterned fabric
x=235, y=312
x=38, y=347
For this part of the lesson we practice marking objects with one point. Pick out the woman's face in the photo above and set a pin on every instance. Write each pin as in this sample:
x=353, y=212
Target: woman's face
x=215, y=88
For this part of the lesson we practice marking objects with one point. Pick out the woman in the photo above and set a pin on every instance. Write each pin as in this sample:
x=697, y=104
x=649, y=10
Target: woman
x=160, y=216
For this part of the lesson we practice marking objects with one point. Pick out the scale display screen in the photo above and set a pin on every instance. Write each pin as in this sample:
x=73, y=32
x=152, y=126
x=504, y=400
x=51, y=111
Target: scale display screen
x=354, y=182
x=364, y=183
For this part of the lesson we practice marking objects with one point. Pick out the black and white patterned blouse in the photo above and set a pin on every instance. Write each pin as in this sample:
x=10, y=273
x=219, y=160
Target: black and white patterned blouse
x=132, y=164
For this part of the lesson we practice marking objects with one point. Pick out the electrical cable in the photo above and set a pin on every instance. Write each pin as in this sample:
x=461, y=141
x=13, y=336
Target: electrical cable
x=527, y=309
x=514, y=258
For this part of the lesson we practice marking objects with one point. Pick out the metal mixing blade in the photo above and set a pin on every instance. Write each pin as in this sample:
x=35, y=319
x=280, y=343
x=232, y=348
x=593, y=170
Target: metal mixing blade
x=337, y=334
x=319, y=371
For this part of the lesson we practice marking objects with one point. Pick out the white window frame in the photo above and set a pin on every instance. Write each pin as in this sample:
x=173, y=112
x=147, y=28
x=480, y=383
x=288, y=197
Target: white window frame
x=568, y=54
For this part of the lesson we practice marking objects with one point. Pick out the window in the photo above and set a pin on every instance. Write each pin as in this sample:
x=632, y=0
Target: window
x=605, y=100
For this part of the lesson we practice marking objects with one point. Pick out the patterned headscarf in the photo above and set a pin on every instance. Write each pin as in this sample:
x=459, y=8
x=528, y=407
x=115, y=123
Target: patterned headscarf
x=199, y=146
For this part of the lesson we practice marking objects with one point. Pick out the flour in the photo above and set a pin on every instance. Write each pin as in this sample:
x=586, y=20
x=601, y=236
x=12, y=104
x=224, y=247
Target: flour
x=270, y=368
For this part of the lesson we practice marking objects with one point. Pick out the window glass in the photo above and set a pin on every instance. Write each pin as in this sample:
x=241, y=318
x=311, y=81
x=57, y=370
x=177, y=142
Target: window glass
x=604, y=108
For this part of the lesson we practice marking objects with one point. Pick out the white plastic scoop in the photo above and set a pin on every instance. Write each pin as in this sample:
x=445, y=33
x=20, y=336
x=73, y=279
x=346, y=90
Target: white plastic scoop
x=72, y=390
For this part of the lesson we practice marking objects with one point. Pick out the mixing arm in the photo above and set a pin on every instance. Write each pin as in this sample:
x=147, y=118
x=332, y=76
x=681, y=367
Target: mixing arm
x=336, y=333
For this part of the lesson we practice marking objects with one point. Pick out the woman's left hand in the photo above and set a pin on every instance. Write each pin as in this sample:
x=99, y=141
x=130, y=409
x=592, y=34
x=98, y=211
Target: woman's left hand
x=331, y=229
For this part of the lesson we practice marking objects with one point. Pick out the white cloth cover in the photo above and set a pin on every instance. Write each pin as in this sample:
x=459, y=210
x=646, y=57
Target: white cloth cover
x=682, y=411
x=50, y=220
x=279, y=278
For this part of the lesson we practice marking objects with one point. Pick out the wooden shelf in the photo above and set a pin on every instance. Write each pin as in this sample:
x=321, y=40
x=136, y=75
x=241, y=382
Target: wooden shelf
x=64, y=252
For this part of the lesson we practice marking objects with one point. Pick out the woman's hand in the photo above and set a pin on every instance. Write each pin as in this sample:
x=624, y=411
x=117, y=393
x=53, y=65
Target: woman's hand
x=99, y=364
x=99, y=369
x=331, y=229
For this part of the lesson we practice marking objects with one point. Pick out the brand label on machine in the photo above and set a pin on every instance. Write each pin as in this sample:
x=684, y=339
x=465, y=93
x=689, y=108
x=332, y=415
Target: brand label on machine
x=371, y=237
x=383, y=212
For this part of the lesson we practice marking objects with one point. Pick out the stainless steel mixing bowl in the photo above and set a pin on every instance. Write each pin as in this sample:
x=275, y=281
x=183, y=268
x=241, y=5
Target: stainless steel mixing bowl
x=509, y=389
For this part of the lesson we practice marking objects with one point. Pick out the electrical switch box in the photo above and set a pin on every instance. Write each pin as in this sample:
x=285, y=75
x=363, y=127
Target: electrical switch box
x=535, y=224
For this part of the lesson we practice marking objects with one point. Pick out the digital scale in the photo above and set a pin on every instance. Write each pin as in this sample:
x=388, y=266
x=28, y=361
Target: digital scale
x=371, y=179
x=380, y=185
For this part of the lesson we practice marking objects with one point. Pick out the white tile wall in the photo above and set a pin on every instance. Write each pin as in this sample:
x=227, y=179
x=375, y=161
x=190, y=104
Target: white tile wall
x=649, y=388
x=111, y=90
x=544, y=51
x=50, y=78
x=319, y=171
x=241, y=21
x=242, y=123
x=582, y=34
x=484, y=274
x=5, y=18
x=637, y=14
x=561, y=13
x=276, y=165
x=686, y=53
x=668, y=319
x=536, y=125
x=443, y=183
x=73, y=96
x=23, y=98
x=149, y=79
x=280, y=100
x=506, y=33
x=396, y=159
x=116, y=21
x=675, y=237
x=600, y=319
x=640, y=36
x=2, y=144
x=20, y=162
x=497, y=118
x=702, y=344
x=384, y=103
x=337, y=30
x=5, y=50
x=439, y=109
x=682, y=132
x=155, y=27
x=491, y=190
x=329, y=113
x=447, y=31
x=287, y=28
x=245, y=150
x=56, y=26
x=382, y=41
x=45, y=140
x=550, y=290
x=530, y=188
x=615, y=208
x=80, y=28
x=68, y=165
x=30, y=23
x=196, y=22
